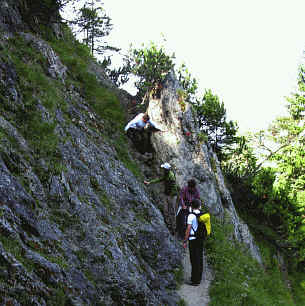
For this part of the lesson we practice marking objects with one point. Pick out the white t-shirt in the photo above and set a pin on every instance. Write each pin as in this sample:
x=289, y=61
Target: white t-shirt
x=138, y=123
x=191, y=219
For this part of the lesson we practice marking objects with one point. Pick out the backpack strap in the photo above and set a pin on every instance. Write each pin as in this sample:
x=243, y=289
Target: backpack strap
x=196, y=215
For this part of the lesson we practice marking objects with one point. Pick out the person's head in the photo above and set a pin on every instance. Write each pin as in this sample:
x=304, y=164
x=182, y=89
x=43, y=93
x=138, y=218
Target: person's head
x=195, y=204
x=191, y=184
x=145, y=118
x=166, y=166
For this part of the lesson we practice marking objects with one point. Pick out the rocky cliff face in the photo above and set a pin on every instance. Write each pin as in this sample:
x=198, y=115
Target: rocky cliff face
x=77, y=225
x=191, y=157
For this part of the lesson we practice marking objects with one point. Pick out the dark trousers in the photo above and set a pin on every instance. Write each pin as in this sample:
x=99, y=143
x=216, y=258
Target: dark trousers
x=140, y=139
x=196, y=257
x=181, y=222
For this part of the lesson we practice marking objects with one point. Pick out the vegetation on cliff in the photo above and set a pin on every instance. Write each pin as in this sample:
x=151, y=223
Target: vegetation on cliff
x=45, y=116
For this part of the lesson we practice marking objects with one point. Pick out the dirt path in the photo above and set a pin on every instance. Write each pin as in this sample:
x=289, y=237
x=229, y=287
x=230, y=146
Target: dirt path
x=195, y=295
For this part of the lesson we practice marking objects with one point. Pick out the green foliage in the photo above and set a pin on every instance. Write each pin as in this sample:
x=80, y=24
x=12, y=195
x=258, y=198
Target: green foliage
x=96, y=25
x=37, y=126
x=63, y=219
x=182, y=95
x=240, y=162
x=58, y=298
x=119, y=76
x=123, y=154
x=277, y=195
x=151, y=64
x=298, y=287
x=202, y=137
x=211, y=115
x=179, y=275
x=182, y=302
x=105, y=103
x=242, y=281
x=188, y=83
x=13, y=246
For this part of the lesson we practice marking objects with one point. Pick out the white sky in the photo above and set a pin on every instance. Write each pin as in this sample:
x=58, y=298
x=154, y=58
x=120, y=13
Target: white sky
x=246, y=51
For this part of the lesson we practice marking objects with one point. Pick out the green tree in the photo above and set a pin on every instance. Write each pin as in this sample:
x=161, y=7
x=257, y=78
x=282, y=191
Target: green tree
x=188, y=83
x=151, y=65
x=95, y=24
x=289, y=133
x=276, y=195
x=241, y=161
x=211, y=115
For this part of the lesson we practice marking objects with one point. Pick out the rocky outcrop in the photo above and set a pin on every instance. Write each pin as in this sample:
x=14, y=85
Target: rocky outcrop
x=182, y=146
x=10, y=17
x=29, y=15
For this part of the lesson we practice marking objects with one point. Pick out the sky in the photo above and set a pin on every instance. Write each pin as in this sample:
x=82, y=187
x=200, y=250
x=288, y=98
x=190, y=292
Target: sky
x=246, y=51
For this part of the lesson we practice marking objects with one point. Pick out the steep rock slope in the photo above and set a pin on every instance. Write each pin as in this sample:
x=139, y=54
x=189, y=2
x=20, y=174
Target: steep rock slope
x=77, y=224
x=182, y=146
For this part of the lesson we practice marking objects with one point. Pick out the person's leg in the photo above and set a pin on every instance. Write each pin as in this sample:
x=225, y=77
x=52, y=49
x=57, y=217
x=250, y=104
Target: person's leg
x=192, y=250
x=169, y=213
x=136, y=137
x=172, y=212
x=200, y=251
x=130, y=133
x=196, y=261
x=166, y=210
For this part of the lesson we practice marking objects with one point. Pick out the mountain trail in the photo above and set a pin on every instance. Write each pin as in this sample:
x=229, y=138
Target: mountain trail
x=195, y=295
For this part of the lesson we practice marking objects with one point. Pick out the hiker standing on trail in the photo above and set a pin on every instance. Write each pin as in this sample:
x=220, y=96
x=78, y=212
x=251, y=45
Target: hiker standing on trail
x=195, y=244
x=135, y=130
x=187, y=195
x=171, y=192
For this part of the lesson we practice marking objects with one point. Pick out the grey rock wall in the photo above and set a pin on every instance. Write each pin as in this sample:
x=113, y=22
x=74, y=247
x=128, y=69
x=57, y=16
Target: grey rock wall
x=83, y=229
x=192, y=158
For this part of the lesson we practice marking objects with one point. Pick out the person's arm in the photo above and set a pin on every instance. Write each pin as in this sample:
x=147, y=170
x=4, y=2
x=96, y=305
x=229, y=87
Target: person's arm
x=127, y=127
x=154, y=181
x=133, y=122
x=187, y=234
x=154, y=125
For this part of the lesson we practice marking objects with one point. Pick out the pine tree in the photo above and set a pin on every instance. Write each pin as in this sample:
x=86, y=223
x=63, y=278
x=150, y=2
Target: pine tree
x=211, y=115
x=95, y=24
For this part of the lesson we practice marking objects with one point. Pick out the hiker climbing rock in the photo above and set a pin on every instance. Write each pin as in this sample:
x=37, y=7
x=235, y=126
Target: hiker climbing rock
x=139, y=130
x=171, y=192
x=187, y=195
x=198, y=228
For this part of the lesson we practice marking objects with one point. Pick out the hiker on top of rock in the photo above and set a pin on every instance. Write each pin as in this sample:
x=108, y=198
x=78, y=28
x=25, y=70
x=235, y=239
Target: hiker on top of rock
x=187, y=195
x=171, y=192
x=140, y=122
x=135, y=128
